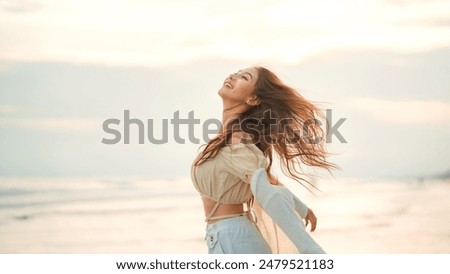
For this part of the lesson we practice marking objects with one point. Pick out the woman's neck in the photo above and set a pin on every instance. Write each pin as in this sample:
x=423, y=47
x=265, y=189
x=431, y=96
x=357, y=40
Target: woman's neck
x=231, y=112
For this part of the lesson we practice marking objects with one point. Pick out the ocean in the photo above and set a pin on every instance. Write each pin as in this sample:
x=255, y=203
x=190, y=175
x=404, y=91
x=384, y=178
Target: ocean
x=135, y=215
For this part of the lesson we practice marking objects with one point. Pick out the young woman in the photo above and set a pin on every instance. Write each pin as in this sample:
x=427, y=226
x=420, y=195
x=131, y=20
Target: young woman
x=261, y=116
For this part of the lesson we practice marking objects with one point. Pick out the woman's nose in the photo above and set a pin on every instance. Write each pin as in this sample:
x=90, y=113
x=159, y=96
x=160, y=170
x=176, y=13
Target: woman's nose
x=232, y=75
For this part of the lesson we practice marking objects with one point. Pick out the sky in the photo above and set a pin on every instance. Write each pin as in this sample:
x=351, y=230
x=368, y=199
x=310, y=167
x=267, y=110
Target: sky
x=67, y=66
x=139, y=32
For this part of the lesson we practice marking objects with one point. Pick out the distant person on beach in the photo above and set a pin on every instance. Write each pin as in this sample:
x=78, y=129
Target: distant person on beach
x=247, y=209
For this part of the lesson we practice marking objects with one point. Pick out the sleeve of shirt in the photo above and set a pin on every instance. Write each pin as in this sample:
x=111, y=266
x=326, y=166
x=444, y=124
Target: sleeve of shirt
x=279, y=204
x=300, y=207
x=242, y=160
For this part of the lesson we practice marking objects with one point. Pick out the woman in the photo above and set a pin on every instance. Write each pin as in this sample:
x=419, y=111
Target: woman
x=261, y=115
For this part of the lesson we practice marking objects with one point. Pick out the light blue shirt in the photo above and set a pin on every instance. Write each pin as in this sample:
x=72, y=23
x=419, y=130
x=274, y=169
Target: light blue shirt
x=286, y=210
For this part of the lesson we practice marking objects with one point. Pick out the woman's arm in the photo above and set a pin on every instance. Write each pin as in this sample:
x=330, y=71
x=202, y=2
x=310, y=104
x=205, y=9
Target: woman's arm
x=305, y=212
x=278, y=203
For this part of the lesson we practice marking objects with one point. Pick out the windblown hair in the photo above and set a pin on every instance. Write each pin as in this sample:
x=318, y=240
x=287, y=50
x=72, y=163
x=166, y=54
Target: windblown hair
x=283, y=122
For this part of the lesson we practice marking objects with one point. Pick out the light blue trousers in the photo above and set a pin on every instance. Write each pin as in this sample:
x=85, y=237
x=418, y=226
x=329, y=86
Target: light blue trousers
x=237, y=235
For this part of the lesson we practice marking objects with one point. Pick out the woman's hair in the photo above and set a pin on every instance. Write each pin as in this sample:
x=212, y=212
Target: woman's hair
x=283, y=122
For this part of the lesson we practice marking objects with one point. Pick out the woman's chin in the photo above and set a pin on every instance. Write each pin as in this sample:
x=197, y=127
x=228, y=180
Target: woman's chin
x=221, y=92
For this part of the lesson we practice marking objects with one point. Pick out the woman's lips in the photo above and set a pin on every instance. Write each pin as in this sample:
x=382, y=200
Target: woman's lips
x=227, y=84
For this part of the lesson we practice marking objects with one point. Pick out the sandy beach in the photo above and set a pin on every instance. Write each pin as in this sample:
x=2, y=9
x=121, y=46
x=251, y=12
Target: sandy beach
x=55, y=215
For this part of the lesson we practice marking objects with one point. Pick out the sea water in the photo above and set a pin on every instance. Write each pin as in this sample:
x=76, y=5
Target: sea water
x=136, y=215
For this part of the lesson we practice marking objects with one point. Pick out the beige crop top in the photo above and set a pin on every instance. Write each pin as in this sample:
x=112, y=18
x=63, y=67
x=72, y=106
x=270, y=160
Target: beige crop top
x=225, y=178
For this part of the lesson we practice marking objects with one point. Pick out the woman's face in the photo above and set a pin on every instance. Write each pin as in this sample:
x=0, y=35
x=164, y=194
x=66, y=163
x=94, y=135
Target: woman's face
x=239, y=86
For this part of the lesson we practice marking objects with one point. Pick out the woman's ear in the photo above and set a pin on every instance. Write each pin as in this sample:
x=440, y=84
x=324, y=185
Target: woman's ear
x=253, y=101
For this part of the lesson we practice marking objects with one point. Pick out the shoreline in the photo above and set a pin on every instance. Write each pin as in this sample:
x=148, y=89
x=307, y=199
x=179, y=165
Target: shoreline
x=146, y=216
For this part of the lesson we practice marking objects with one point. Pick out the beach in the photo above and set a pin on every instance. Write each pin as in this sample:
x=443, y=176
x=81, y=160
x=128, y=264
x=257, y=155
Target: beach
x=135, y=215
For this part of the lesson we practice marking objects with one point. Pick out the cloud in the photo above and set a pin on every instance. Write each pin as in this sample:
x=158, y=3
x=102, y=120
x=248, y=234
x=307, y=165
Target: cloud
x=409, y=112
x=427, y=22
x=52, y=124
x=4, y=109
x=157, y=33
x=409, y=2
x=19, y=6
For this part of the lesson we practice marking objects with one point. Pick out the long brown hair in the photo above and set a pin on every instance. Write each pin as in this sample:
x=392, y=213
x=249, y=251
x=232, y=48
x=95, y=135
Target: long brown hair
x=284, y=122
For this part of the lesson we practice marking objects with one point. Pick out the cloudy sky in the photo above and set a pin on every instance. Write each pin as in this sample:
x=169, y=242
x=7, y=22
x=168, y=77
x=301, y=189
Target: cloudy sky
x=67, y=66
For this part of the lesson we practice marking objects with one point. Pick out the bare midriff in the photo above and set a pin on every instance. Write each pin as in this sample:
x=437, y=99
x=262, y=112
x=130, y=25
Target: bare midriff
x=223, y=209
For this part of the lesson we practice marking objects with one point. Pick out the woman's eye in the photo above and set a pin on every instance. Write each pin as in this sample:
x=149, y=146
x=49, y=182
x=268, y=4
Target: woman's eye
x=245, y=78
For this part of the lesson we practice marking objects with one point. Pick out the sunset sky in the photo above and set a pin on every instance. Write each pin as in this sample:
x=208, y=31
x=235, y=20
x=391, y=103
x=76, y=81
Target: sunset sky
x=138, y=32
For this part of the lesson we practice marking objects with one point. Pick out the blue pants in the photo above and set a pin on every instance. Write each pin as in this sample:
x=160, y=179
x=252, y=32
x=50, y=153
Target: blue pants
x=237, y=235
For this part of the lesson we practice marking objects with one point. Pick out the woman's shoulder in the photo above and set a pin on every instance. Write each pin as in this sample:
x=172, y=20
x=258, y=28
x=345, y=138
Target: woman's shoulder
x=241, y=148
x=240, y=145
x=239, y=137
x=240, y=140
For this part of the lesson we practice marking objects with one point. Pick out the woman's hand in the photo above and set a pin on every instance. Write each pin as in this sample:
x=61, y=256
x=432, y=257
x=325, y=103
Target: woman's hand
x=311, y=218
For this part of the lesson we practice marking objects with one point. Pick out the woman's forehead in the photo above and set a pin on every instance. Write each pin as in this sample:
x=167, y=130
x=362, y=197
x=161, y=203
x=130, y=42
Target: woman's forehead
x=250, y=70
